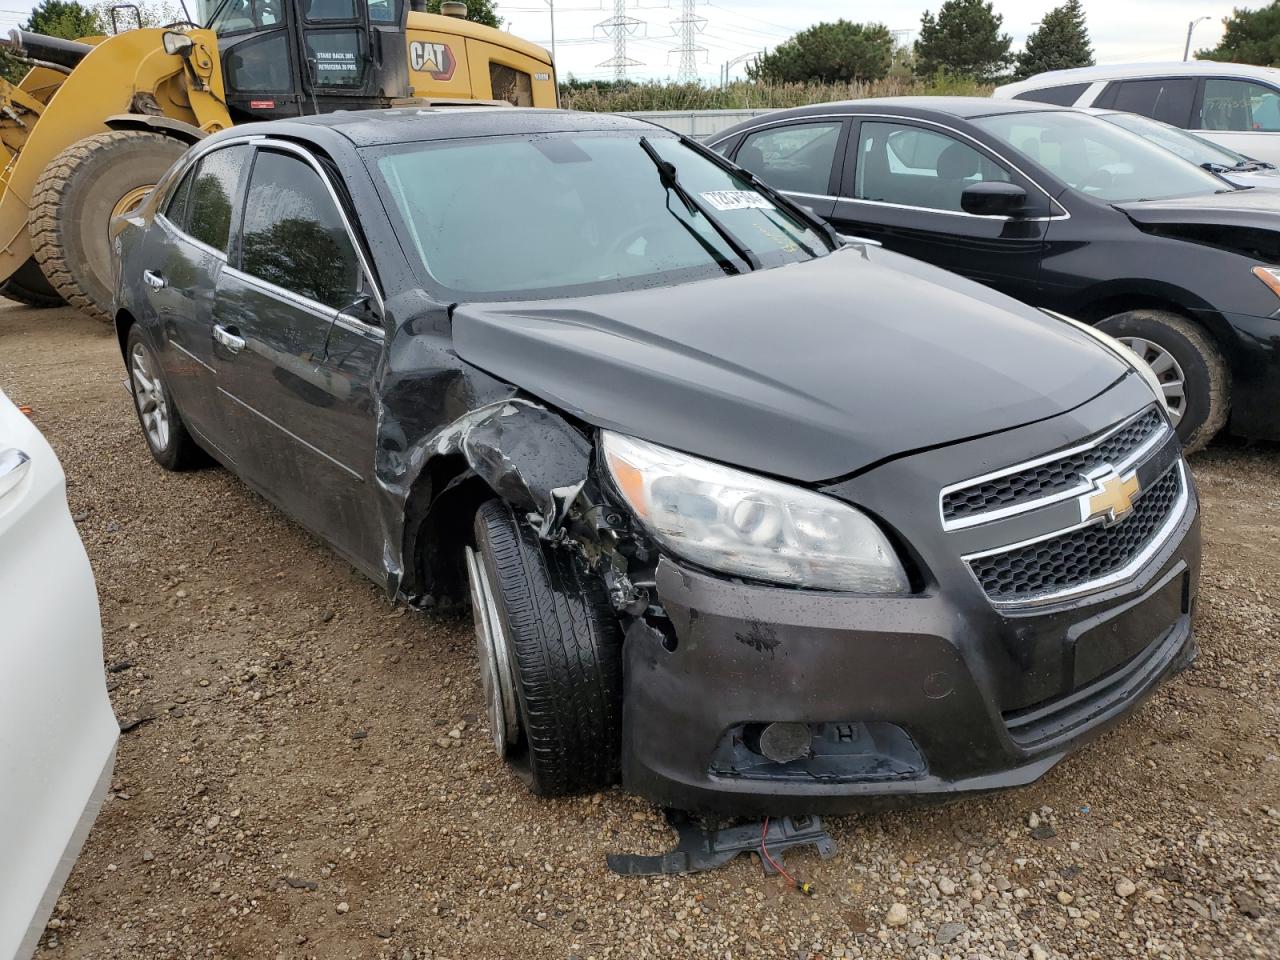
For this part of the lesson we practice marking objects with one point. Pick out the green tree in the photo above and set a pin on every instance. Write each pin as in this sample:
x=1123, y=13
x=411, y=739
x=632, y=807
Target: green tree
x=1059, y=43
x=840, y=52
x=1252, y=36
x=478, y=11
x=62, y=18
x=963, y=40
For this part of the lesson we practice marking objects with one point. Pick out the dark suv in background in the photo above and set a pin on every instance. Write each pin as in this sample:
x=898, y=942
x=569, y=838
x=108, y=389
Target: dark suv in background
x=1064, y=211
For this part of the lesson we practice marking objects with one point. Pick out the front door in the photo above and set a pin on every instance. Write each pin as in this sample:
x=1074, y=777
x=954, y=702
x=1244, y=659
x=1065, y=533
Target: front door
x=298, y=374
x=903, y=189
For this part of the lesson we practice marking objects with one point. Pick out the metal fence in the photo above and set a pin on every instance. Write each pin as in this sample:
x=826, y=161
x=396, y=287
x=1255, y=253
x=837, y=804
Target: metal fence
x=699, y=124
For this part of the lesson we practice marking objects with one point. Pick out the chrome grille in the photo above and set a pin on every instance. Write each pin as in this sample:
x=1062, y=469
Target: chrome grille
x=1049, y=478
x=1078, y=557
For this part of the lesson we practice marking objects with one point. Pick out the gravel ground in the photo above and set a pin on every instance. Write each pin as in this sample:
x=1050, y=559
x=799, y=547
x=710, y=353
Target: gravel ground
x=309, y=774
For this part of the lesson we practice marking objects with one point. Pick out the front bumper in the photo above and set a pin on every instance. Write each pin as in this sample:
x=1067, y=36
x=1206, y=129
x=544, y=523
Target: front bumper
x=905, y=697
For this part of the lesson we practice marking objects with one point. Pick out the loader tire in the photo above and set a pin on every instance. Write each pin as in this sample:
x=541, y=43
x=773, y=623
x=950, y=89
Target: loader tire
x=28, y=285
x=74, y=201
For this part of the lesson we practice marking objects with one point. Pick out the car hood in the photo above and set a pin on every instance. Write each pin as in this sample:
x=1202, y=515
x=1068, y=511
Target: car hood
x=810, y=371
x=1256, y=208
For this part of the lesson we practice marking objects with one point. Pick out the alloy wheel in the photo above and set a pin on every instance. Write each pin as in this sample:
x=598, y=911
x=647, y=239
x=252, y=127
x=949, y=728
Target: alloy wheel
x=1168, y=372
x=148, y=393
x=495, y=666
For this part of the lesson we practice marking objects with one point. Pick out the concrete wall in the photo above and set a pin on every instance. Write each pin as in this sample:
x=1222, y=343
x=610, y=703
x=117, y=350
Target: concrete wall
x=699, y=124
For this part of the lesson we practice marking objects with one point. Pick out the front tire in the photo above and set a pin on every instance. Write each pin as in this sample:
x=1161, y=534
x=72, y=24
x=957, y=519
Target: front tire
x=167, y=438
x=74, y=201
x=563, y=648
x=1188, y=364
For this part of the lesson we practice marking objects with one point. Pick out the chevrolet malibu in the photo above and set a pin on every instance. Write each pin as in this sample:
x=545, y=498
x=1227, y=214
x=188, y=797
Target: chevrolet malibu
x=750, y=519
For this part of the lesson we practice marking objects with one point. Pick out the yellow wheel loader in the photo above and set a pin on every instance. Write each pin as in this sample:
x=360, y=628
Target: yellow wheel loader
x=95, y=123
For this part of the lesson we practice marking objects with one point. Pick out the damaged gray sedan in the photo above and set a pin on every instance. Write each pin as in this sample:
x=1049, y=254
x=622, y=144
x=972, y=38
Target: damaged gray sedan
x=750, y=518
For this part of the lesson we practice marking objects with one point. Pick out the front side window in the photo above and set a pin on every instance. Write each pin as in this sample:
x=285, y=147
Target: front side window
x=1240, y=105
x=237, y=16
x=1165, y=99
x=567, y=214
x=916, y=167
x=260, y=65
x=293, y=235
x=213, y=191
x=796, y=157
x=1098, y=158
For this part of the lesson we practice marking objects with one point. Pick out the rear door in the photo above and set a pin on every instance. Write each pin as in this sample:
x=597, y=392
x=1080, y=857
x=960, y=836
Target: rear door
x=185, y=251
x=802, y=158
x=297, y=373
x=902, y=187
x=1243, y=115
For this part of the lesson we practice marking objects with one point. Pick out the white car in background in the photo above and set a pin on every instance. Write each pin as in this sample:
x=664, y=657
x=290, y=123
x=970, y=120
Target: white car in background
x=1232, y=104
x=57, y=730
x=1236, y=167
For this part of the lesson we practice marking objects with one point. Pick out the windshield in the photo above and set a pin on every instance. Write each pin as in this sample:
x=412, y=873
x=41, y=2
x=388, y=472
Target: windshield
x=1099, y=159
x=576, y=213
x=1184, y=144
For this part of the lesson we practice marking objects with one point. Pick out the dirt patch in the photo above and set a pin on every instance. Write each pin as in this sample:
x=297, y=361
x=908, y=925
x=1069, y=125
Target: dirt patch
x=316, y=780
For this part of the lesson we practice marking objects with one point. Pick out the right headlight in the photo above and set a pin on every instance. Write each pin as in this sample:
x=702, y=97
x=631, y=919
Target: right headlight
x=740, y=523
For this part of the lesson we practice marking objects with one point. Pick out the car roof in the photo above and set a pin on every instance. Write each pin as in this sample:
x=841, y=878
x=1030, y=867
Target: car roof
x=1125, y=71
x=366, y=128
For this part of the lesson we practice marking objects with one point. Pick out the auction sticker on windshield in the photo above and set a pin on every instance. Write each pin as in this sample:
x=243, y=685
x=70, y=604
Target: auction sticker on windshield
x=736, y=200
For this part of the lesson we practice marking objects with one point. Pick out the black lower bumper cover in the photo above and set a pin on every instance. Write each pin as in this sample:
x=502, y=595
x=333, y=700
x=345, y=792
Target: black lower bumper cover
x=900, y=693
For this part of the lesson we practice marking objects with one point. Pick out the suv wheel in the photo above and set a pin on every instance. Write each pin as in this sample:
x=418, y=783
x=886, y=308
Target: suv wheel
x=1188, y=364
x=550, y=651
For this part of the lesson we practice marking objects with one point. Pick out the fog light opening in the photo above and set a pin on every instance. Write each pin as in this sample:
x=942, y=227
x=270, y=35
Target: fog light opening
x=780, y=742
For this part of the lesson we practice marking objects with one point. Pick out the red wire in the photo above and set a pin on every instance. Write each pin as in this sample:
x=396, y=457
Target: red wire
x=764, y=850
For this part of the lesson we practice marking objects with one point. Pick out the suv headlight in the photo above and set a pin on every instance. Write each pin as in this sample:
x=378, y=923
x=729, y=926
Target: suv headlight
x=1140, y=366
x=739, y=523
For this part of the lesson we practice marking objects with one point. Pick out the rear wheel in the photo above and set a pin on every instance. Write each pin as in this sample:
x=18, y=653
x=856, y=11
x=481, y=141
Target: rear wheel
x=1192, y=372
x=162, y=427
x=550, y=651
x=74, y=201
x=30, y=286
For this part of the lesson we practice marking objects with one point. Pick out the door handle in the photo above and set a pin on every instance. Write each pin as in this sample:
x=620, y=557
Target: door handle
x=232, y=341
x=153, y=279
x=14, y=465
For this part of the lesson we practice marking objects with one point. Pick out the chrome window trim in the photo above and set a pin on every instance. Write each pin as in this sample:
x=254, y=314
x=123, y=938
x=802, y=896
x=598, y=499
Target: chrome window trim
x=1124, y=574
x=261, y=140
x=1139, y=454
x=1053, y=204
x=321, y=310
x=952, y=213
x=185, y=237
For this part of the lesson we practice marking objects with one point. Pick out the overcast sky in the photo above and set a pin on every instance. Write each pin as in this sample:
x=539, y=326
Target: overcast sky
x=1122, y=30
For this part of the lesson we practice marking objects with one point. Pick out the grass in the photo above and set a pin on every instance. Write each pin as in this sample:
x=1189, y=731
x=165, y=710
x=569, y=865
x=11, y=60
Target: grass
x=745, y=95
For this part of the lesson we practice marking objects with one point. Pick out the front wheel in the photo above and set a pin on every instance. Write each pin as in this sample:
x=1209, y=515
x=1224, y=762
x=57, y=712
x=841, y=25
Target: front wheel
x=1192, y=372
x=550, y=651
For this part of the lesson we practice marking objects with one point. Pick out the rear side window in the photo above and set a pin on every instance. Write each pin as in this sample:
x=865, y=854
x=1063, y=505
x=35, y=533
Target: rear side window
x=175, y=210
x=1168, y=100
x=1240, y=105
x=213, y=192
x=293, y=236
x=795, y=157
x=1063, y=96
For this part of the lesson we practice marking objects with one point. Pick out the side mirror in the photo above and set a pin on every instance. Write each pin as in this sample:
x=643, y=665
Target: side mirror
x=995, y=199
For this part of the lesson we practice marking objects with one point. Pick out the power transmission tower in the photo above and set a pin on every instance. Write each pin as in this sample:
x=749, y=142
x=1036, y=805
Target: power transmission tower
x=687, y=27
x=620, y=27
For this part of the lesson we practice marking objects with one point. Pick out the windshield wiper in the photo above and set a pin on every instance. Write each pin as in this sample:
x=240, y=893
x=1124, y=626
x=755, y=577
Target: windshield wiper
x=671, y=181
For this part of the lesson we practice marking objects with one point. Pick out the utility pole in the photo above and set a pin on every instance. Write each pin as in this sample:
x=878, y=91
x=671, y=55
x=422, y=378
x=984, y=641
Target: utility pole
x=688, y=25
x=1186, y=51
x=619, y=27
x=727, y=67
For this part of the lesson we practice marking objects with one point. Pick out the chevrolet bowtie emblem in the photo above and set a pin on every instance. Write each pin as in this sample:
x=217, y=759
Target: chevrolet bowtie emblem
x=1111, y=498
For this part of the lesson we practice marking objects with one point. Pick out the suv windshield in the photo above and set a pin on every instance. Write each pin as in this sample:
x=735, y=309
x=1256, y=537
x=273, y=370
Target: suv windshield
x=577, y=213
x=1099, y=159
x=1186, y=145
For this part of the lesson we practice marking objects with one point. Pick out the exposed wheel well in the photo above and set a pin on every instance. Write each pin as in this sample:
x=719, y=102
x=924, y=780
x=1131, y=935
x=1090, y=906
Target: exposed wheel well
x=439, y=517
x=1112, y=304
